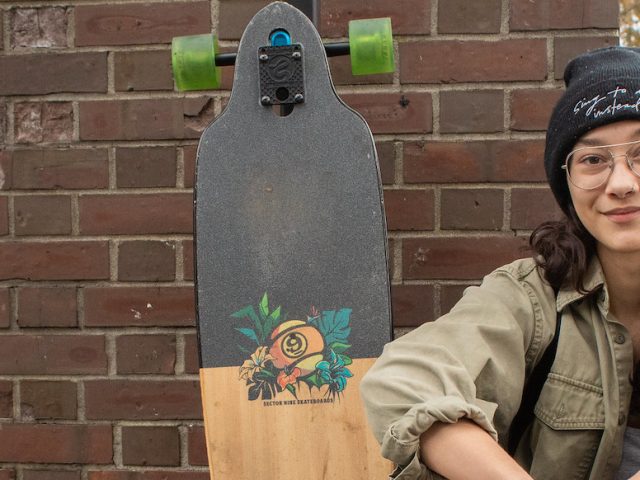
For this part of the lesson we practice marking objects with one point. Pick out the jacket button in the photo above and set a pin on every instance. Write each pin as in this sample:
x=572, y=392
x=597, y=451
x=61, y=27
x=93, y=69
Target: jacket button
x=619, y=339
x=622, y=418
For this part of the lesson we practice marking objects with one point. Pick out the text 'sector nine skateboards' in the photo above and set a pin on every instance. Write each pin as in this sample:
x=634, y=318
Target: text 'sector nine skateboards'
x=291, y=261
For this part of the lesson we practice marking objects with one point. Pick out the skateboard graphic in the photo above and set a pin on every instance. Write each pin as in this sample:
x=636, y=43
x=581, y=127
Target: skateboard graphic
x=292, y=283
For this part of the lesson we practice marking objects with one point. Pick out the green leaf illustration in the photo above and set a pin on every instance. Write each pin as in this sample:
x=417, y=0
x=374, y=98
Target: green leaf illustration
x=272, y=321
x=249, y=333
x=334, y=326
x=338, y=347
x=250, y=312
x=345, y=359
x=264, y=306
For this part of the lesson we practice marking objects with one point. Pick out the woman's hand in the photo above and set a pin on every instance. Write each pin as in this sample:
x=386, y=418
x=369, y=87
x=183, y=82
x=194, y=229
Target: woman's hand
x=464, y=451
x=636, y=476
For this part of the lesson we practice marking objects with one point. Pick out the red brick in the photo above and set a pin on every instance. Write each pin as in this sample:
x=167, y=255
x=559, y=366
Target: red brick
x=189, y=155
x=43, y=122
x=452, y=61
x=188, y=259
x=51, y=474
x=566, y=48
x=38, y=27
x=234, y=16
x=67, y=169
x=140, y=71
x=136, y=214
x=6, y=401
x=562, y=14
x=387, y=161
x=142, y=400
x=462, y=16
x=151, y=119
x=197, y=446
x=47, y=307
x=531, y=207
x=4, y=215
x=152, y=354
x=53, y=73
x=42, y=215
x=6, y=167
x=409, y=209
x=340, y=68
x=79, y=260
x=146, y=307
x=28, y=443
x=531, y=108
x=146, y=261
x=53, y=355
x=472, y=111
x=47, y=400
x=1, y=32
x=488, y=161
x=458, y=258
x=158, y=446
x=5, y=308
x=191, y=356
x=409, y=112
x=412, y=304
x=149, y=475
x=3, y=122
x=449, y=296
x=139, y=24
x=6, y=474
x=408, y=17
x=146, y=167
x=472, y=209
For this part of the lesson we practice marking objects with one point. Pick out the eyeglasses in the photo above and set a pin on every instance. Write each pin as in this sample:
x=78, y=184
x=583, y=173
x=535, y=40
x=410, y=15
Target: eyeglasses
x=590, y=167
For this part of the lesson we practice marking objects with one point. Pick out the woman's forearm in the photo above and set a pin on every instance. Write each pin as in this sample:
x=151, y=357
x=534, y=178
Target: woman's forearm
x=463, y=450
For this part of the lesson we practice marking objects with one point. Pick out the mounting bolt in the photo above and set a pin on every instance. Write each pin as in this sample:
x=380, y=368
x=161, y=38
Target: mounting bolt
x=298, y=98
x=296, y=55
x=266, y=100
x=263, y=57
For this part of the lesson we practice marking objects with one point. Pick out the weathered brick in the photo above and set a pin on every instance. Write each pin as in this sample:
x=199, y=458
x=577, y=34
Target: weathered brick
x=1, y=32
x=409, y=209
x=531, y=108
x=138, y=23
x=234, y=16
x=488, y=161
x=78, y=260
x=47, y=307
x=28, y=443
x=146, y=261
x=38, y=27
x=146, y=167
x=5, y=308
x=408, y=17
x=67, y=169
x=458, y=258
x=409, y=112
x=462, y=16
x=158, y=306
x=412, y=304
x=566, y=48
x=188, y=259
x=53, y=73
x=452, y=61
x=148, y=475
x=197, y=446
x=42, y=215
x=4, y=215
x=530, y=207
x=3, y=122
x=51, y=474
x=136, y=214
x=472, y=111
x=449, y=296
x=37, y=122
x=6, y=400
x=53, y=355
x=191, y=356
x=142, y=400
x=151, y=119
x=472, y=209
x=47, y=400
x=152, y=354
x=189, y=155
x=562, y=14
x=159, y=446
x=7, y=474
x=139, y=71
x=387, y=161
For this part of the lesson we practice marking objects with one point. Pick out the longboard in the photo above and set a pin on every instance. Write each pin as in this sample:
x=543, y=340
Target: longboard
x=292, y=286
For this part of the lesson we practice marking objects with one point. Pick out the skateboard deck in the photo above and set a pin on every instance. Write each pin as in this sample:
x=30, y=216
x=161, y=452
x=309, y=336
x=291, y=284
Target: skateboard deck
x=291, y=268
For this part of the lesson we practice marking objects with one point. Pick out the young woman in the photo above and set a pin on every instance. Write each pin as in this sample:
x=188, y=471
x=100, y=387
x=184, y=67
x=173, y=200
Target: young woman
x=441, y=399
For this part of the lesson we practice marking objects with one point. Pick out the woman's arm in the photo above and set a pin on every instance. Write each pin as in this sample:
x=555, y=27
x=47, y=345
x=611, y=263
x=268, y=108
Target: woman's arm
x=463, y=450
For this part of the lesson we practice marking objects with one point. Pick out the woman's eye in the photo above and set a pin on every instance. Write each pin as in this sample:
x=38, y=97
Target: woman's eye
x=592, y=160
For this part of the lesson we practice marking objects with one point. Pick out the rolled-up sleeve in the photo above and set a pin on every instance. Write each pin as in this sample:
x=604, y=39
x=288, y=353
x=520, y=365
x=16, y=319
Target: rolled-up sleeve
x=464, y=364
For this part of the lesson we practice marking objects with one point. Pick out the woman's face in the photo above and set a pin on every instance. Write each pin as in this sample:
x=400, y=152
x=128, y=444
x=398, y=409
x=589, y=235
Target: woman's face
x=611, y=212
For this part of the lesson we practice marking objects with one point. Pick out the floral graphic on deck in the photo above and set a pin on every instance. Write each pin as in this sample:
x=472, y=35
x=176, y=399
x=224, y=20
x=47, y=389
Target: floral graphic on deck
x=290, y=354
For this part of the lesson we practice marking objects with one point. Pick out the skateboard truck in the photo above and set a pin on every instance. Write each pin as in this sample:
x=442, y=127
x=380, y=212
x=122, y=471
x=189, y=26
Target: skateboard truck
x=196, y=59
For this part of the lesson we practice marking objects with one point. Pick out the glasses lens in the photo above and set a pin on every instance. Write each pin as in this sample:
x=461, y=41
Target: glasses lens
x=589, y=167
x=634, y=158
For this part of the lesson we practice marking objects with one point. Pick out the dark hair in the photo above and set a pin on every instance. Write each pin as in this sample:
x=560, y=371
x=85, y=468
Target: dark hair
x=564, y=249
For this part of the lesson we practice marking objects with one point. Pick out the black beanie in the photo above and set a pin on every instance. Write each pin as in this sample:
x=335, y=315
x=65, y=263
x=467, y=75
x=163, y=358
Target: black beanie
x=603, y=86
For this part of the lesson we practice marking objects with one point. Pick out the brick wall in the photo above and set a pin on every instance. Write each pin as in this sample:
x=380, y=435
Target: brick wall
x=98, y=364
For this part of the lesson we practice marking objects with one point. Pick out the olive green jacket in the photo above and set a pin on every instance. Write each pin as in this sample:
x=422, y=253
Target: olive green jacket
x=473, y=363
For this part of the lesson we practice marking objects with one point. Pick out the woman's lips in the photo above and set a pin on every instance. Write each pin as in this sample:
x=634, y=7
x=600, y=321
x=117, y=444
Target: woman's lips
x=622, y=215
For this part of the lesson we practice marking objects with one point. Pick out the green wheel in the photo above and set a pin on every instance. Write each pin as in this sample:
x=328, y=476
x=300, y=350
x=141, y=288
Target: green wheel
x=193, y=61
x=371, y=46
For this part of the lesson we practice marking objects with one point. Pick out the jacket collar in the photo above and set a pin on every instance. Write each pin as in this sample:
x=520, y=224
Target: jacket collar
x=593, y=281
